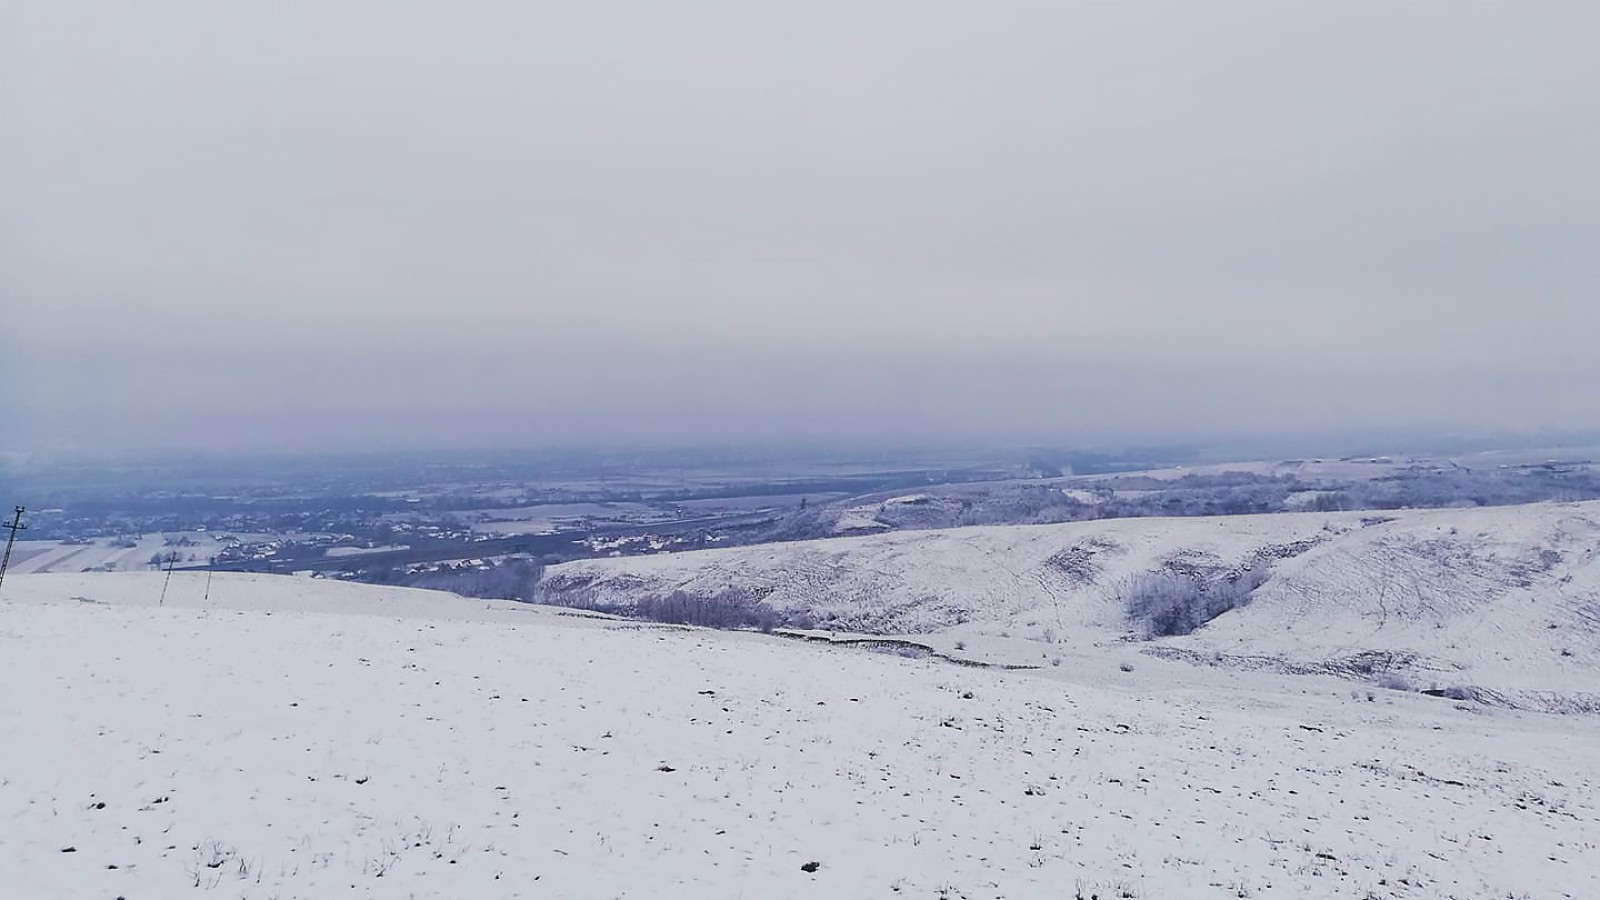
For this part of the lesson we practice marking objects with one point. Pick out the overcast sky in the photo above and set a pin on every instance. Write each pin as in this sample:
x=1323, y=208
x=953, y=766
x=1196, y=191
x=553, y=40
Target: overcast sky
x=299, y=225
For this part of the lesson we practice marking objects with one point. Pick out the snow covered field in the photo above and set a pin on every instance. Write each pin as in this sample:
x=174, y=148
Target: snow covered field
x=301, y=738
x=105, y=554
x=1502, y=602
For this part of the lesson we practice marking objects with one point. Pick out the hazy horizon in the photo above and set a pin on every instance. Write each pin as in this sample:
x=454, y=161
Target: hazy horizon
x=309, y=227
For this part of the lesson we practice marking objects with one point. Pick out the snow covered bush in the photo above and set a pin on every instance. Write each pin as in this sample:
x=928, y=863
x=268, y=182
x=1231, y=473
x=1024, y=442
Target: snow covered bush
x=731, y=608
x=1163, y=603
x=1395, y=681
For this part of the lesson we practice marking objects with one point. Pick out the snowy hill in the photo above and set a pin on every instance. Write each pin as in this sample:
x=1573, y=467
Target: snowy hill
x=1501, y=602
x=288, y=737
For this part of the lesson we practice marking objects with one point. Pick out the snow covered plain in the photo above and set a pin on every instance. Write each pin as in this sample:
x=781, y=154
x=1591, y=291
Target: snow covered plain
x=301, y=738
x=1501, y=602
x=104, y=554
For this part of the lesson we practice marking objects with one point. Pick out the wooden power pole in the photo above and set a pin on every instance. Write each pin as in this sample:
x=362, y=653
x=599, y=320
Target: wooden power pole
x=15, y=525
x=172, y=558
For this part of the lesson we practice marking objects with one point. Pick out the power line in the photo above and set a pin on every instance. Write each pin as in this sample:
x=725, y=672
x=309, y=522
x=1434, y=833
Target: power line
x=16, y=526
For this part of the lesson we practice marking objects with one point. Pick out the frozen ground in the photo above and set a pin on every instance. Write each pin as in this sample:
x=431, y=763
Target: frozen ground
x=104, y=554
x=303, y=738
x=1501, y=602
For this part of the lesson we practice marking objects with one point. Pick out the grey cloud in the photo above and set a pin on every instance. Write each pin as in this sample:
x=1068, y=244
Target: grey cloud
x=668, y=219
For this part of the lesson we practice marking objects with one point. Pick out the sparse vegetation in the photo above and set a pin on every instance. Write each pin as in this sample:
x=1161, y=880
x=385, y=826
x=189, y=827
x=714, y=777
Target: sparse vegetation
x=731, y=608
x=1171, y=602
x=1395, y=681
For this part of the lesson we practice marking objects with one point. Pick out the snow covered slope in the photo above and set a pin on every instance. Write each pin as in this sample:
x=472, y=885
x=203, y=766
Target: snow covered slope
x=406, y=745
x=923, y=581
x=1500, y=604
x=1503, y=601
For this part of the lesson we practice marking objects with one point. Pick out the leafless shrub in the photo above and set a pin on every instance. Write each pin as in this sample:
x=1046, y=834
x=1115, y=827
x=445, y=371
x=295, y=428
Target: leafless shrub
x=1394, y=681
x=731, y=609
x=1165, y=603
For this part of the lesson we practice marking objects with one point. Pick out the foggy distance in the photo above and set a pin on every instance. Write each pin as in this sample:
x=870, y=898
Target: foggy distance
x=317, y=227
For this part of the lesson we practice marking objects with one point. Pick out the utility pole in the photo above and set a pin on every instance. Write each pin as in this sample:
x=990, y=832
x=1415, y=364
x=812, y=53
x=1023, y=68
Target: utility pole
x=172, y=557
x=15, y=525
